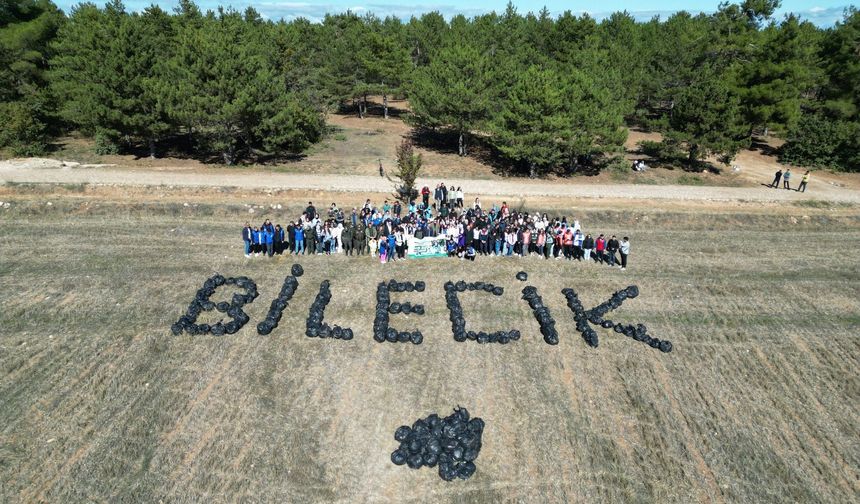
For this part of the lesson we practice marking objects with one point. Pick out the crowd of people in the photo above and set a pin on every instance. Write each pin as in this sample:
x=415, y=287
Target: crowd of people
x=469, y=231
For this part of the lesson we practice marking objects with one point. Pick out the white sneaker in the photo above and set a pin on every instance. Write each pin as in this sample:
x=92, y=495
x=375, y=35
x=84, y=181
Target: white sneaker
x=623, y=269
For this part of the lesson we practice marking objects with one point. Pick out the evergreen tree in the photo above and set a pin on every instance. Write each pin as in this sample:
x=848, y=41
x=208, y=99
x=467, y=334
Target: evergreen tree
x=27, y=109
x=530, y=127
x=707, y=119
x=453, y=91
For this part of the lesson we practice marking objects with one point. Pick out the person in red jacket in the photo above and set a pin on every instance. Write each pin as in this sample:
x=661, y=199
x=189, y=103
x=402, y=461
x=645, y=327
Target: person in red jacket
x=600, y=247
x=425, y=196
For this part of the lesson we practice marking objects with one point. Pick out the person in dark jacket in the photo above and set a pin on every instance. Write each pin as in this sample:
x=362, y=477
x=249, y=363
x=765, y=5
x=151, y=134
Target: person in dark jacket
x=291, y=237
x=310, y=211
x=358, y=240
x=611, y=249
x=346, y=240
x=278, y=239
x=776, y=177
x=587, y=247
x=247, y=238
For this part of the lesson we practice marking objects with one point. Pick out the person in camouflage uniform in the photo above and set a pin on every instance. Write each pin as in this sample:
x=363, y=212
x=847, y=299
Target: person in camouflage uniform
x=370, y=233
x=359, y=240
x=346, y=239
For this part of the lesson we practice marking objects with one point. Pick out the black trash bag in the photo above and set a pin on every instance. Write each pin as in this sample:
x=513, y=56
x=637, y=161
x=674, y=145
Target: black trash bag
x=522, y=276
x=420, y=286
x=418, y=309
x=222, y=307
x=460, y=286
x=417, y=338
x=398, y=456
x=632, y=291
x=347, y=334
x=406, y=308
x=498, y=291
x=378, y=336
x=404, y=336
x=218, y=329
x=297, y=270
x=465, y=471
x=460, y=336
x=394, y=307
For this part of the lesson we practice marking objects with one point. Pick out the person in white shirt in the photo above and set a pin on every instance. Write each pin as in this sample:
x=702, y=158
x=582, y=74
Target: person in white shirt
x=625, y=251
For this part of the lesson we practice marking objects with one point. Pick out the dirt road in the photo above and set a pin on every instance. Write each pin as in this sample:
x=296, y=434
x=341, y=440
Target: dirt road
x=35, y=170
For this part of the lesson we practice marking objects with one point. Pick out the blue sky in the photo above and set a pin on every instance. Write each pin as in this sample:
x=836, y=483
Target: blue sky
x=820, y=12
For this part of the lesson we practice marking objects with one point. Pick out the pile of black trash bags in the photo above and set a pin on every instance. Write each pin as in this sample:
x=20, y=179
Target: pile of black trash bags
x=278, y=305
x=458, y=321
x=201, y=303
x=315, y=327
x=584, y=319
x=542, y=314
x=451, y=443
x=382, y=331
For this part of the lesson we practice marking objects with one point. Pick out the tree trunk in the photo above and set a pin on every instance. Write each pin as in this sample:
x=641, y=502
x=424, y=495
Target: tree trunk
x=532, y=170
x=385, y=105
x=229, y=155
x=364, y=100
x=151, y=148
x=360, y=110
x=461, y=147
x=694, y=150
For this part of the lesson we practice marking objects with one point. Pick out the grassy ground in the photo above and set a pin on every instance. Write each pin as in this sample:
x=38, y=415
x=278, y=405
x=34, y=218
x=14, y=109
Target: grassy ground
x=758, y=402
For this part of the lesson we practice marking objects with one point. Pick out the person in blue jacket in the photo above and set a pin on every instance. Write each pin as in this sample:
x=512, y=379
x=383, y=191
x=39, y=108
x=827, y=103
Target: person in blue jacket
x=247, y=238
x=269, y=237
x=299, y=237
x=257, y=241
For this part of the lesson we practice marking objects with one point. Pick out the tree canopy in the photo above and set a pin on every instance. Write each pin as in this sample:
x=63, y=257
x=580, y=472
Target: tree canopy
x=542, y=93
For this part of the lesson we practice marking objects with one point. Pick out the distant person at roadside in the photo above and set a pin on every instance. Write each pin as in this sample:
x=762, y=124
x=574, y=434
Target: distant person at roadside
x=625, y=251
x=247, y=238
x=803, y=181
x=785, y=177
x=776, y=177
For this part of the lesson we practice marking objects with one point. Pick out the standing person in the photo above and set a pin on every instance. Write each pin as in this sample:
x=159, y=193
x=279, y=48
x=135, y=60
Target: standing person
x=299, y=238
x=311, y=210
x=803, y=181
x=460, y=197
x=425, y=196
x=255, y=241
x=567, y=243
x=346, y=240
x=269, y=233
x=785, y=177
x=776, y=177
x=587, y=247
x=600, y=246
x=279, y=239
x=611, y=249
x=578, y=253
x=371, y=234
x=358, y=240
x=247, y=238
x=625, y=251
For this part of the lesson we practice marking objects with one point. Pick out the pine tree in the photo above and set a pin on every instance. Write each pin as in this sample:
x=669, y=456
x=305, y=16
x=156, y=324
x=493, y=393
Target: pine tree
x=707, y=119
x=531, y=125
x=454, y=91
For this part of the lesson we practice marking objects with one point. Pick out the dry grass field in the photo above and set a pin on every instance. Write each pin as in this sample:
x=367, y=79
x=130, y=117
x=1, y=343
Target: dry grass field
x=759, y=401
